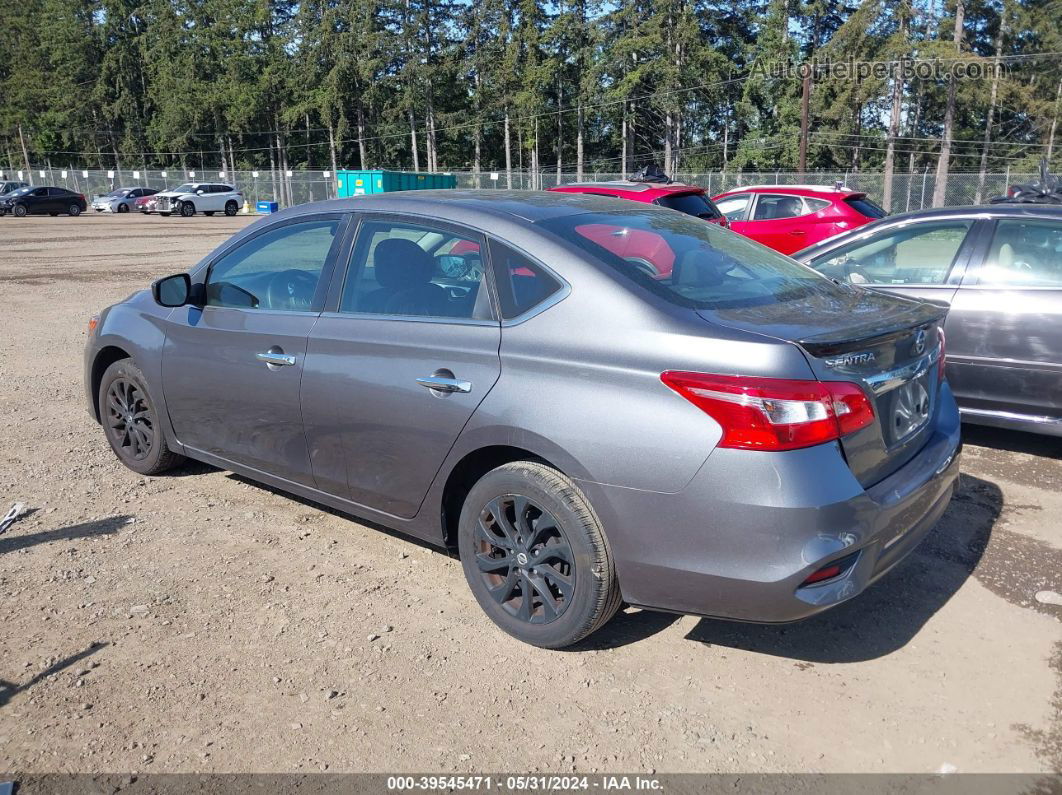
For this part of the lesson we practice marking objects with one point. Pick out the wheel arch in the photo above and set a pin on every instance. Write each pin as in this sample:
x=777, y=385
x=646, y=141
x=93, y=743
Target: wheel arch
x=106, y=356
x=465, y=474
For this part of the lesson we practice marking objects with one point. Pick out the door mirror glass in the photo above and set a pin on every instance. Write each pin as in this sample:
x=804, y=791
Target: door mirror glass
x=173, y=290
x=199, y=192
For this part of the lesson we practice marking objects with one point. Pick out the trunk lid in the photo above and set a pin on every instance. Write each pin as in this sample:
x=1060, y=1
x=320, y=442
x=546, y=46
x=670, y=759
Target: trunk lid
x=886, y=344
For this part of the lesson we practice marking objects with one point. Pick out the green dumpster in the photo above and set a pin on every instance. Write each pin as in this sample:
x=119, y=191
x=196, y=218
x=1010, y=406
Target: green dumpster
x=359, y=183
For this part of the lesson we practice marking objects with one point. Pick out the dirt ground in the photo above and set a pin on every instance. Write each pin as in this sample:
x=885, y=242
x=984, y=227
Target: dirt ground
x=199, y=622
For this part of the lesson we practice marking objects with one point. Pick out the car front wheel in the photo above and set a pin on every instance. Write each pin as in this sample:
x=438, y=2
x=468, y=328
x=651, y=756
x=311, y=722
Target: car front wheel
x=187, y=209
x=131, y=421
x=20, y=211
x=535, y=556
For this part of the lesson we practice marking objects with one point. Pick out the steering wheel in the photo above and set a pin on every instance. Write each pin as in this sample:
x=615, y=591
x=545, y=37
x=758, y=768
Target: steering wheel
x=291, y=289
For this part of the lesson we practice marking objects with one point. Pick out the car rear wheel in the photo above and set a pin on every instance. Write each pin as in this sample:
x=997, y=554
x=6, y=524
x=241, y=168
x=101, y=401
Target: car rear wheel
x=535, y=556
x=20, y=211
x=187, y=209
x=231, y=208
x=74, y=210
x=131, y=421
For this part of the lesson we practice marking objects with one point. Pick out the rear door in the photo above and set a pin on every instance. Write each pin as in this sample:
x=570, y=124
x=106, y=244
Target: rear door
x=1005, y=327
x=406, y=351
x=232, y=368
x=781, y=222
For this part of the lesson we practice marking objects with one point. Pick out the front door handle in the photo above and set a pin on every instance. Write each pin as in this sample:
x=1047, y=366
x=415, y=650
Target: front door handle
x=276, y=359
x=440, y=384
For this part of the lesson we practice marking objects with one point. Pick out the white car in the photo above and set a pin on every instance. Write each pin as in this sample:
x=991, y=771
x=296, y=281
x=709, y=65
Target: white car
x=200, y=197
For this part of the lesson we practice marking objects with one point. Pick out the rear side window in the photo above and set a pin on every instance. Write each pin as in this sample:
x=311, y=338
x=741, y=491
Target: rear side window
x=1025, y=253
x=865, y=206
x=773, y=208
x=522, y=284
x=696, y=204
x=816, y=205
x=688, y=262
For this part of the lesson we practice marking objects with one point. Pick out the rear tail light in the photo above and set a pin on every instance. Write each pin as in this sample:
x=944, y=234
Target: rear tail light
x=942, y=360
x=774, y=414
x=831, y=570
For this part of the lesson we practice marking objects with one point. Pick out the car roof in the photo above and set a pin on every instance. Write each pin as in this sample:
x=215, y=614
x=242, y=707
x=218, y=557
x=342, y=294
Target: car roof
x=797, y=190
x=628, y=186
x=470, y=206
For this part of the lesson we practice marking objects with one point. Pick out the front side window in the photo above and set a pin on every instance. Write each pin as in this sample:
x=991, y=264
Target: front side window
x=735, y=207
x=278, y=270
x=688, y=262
x=770, y=207
x=914, y=254
x=403, y=268
x=1024, y=253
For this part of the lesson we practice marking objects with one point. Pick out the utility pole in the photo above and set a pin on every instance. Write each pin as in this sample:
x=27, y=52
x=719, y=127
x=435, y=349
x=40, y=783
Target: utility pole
x=805, y=101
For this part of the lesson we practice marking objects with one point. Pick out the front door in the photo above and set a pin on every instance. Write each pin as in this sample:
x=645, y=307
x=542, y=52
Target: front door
x=396, y=370
x=232, y=368
x=1005, y=326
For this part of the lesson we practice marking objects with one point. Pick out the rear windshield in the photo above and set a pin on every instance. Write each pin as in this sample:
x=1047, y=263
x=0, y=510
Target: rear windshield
x=865, y=206
x=690, y=203
x=688, y=262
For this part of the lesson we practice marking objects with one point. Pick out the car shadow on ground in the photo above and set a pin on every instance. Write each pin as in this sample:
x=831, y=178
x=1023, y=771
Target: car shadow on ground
x=1012, y=441
x=891, y=612
x=10, y=542
x=8, y=690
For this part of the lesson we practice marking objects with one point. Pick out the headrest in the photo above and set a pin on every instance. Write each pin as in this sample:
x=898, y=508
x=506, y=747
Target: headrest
x=402, y=263
x=700, y=267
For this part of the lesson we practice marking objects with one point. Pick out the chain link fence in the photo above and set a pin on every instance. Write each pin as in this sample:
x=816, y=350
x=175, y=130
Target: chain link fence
x=910, y=191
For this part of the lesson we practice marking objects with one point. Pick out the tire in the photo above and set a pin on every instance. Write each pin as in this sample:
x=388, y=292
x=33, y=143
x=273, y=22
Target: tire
x=20, y=211
x=123, y=208
x=571, y=546
x=231, y=208
x=208, y=212
x=74, y=210
x=123, y=394
x=187, y=209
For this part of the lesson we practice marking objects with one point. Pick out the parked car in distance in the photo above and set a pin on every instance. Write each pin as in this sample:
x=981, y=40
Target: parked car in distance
x=7, y=187
x=42, y=201
x=543, y=407
x=120, y=200
x=689, y=199
x=999, y=269
x=199, y=197
x=788, y=218
x=146, y=204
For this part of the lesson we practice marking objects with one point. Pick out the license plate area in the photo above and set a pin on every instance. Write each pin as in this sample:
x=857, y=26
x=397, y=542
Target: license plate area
x=905, y=409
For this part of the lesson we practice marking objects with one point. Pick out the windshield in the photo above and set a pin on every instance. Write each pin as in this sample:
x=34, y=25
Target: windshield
x=187, y=187
x=690, y=203
x=865, y=206
x=119, y=192
x=688, y=262
x=20, y=192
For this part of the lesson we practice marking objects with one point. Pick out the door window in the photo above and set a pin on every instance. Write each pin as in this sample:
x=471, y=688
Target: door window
x=914, y=254
x=773, y=208
x=522, y=284
x=278, y=270
x=1024, y=253
x=736, y=207
x=401, y=268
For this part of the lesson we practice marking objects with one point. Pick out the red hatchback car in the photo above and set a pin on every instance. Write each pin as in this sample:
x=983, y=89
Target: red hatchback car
x=788, y=218
x=688, y=199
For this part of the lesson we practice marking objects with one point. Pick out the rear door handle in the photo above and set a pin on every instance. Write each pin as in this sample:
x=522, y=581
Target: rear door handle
x=276, y=359
x=441, y=384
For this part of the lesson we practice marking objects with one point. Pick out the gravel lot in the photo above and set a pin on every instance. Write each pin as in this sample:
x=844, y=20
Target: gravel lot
x=199, y=622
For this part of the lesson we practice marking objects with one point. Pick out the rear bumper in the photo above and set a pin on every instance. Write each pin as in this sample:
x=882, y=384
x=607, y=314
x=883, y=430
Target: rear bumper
x=743, y=536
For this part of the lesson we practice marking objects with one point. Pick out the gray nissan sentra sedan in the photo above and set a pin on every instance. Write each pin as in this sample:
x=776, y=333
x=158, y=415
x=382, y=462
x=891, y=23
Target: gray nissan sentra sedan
x=594, y=401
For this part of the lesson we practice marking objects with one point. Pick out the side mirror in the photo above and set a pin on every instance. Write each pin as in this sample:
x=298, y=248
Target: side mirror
x=199, y=192
x=172, y=291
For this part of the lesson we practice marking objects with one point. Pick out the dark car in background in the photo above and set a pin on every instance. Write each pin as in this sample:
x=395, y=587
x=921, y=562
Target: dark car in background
x=42, y=201
x=999, y=269
x=736, y=435
x=7, y=187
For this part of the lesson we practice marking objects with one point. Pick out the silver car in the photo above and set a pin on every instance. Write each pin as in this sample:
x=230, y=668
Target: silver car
x=120, y=200
x=594, y=402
